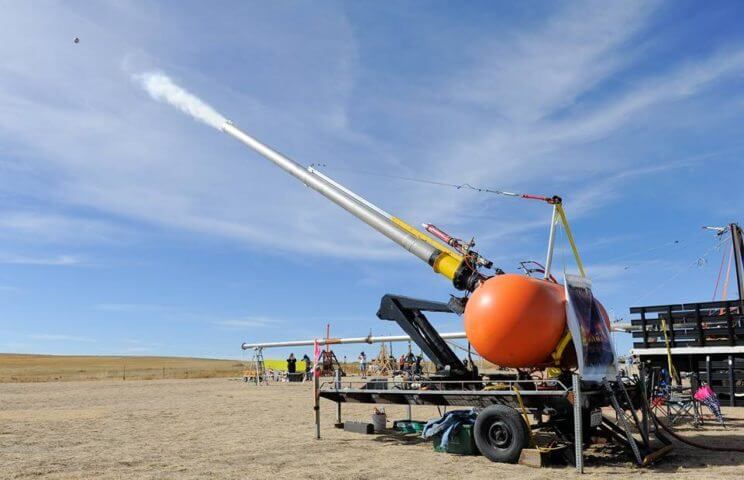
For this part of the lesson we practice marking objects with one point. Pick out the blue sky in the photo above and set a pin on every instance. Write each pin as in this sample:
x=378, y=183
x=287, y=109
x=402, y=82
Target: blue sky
x=128, y=228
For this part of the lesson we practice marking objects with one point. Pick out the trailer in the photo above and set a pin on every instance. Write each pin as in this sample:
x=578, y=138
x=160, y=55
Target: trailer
x=510, y=410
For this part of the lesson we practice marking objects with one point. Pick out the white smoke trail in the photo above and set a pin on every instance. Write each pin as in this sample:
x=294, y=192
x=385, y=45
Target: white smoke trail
x=161, y=88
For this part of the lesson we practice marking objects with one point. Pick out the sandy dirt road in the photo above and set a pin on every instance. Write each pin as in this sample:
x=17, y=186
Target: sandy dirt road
x=223, y=428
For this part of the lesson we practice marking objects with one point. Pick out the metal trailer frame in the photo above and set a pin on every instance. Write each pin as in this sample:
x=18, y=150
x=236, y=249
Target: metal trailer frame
x=446, y=393
x=569, y=409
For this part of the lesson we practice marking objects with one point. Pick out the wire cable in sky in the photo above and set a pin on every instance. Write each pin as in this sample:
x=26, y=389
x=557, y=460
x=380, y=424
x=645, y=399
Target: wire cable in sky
x=698, y=261
x=458, y=186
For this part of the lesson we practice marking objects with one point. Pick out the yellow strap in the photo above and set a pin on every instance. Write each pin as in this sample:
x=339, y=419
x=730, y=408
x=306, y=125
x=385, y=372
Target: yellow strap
x=562, y=344
x=524, y=414
x=672, y=371
x=564, y=220
x=558, y=352
x=529, y=427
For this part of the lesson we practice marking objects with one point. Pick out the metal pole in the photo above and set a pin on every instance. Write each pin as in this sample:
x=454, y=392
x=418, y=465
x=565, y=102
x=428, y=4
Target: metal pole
x=551, y=242
x=338, y=404
x=257, y=352
x=409, y=408
x=578, y=427
x=644, y=392
x=732, y=384
x=737, y=242
x=316, y=402
x=338, y=341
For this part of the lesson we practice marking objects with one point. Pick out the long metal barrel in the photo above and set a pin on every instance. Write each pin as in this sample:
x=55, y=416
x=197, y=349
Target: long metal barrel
x=338, y=341
x=370, y=216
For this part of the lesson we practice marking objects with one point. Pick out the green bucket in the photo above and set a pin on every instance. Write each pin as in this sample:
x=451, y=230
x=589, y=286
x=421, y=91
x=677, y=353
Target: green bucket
x=461, y=442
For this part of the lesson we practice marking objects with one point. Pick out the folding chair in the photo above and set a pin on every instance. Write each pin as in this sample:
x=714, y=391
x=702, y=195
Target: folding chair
x=681, y=406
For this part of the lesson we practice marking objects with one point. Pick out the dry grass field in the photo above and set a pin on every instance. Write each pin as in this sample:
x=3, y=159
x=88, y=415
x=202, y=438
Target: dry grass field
x=46, y=368
x=53, y=368
x=224, y=428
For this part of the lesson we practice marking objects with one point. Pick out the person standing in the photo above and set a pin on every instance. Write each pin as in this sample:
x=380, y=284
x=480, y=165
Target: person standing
x=363, y=364
x=291, y=364
x=308, y=366
x=417, y=365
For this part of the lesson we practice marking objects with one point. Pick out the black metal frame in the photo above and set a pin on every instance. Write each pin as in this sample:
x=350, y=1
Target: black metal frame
x=408, y=314
x=702, y=324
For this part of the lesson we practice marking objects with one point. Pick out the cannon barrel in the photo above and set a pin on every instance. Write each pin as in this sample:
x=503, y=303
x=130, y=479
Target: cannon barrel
x=442, y=259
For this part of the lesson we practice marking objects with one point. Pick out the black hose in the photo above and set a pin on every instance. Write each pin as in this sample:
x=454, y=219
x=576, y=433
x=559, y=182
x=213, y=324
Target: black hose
x=694, y=444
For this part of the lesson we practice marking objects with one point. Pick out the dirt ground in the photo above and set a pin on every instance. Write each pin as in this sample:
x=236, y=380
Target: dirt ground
x=224, y=428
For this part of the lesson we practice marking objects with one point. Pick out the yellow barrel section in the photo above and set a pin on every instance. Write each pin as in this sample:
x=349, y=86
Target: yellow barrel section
x=447, y=262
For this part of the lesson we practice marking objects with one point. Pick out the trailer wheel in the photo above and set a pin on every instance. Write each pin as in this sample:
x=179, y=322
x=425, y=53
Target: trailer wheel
x=500, y=433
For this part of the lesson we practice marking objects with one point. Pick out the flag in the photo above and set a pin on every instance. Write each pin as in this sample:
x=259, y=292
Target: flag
x=316, y=357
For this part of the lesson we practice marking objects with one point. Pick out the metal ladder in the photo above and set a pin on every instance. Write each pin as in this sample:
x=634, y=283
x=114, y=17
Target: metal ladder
x=260, y=366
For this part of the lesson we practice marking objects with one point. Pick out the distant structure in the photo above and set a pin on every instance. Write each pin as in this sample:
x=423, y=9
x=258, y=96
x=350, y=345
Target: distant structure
x=704, y=338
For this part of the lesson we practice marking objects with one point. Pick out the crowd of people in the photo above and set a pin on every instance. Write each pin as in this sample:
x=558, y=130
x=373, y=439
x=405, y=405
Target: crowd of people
x=406, y=364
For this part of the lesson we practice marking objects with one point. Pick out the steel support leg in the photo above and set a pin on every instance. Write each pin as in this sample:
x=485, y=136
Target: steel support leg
x=338, y=387
x=316, y=402
x=578, y=427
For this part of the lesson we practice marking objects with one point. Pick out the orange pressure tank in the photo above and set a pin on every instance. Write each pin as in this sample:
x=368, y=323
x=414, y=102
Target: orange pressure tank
x=515, y=320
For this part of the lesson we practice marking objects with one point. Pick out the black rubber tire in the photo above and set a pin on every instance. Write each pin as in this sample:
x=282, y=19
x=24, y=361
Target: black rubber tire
x=500, y=433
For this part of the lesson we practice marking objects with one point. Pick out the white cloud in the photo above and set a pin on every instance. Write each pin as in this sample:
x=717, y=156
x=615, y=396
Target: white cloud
x=530, y=74
x=248, y=322
x=88, y=136
x=138, y=349
x=131, y=307
x=530, y=140
x=110, y=147
x=54, y=261
x=60, y=338
x=682, y=82
x=9, y=289
x=45, y=227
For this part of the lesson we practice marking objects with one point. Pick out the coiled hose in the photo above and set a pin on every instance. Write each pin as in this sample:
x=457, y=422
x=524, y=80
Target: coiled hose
x=690, y=442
